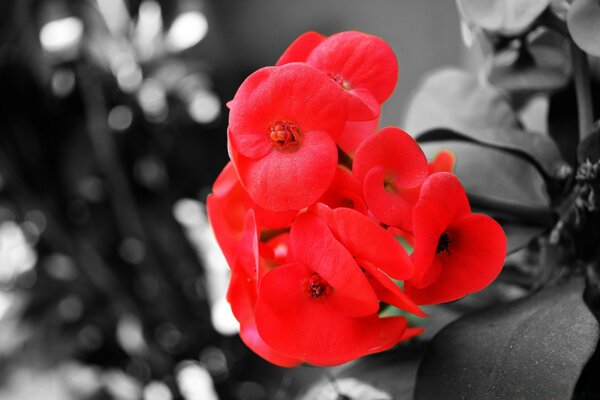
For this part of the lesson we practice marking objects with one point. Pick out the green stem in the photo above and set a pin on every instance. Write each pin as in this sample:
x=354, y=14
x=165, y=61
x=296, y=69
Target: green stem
x=581, y=75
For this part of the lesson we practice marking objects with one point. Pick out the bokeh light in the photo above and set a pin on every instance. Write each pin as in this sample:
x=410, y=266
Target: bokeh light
x=61, y=35
x=187, y=30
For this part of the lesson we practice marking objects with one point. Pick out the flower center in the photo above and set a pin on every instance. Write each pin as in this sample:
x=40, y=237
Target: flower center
x=443, y=243
x=285, y=135
x=339, y=80
x=389, y=185
x=317, y=287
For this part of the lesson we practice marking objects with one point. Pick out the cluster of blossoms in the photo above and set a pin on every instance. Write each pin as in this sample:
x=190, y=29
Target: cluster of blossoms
x=317, y=208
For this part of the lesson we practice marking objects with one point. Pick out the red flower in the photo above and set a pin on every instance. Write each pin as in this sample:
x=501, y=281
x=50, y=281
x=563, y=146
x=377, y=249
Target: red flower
x=314, y=248
x=283, y=125
x=320, y=306
x=382, y=257
x=363, y=65
x=455, y=252
x=391, y=166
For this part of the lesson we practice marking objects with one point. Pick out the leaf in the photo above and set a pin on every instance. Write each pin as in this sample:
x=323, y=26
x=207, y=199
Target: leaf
x=454, y=100
x=532, y=348
x=498, y=182
x=507, y=17
x=519, y=235
x=540, y=64
x=582, y=21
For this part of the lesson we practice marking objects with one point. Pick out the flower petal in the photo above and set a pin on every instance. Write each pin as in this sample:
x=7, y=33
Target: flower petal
x=361, y=105
x=477, y=253
x=442, y=200
x=388, y=291
x=252, y=339
x=444, y=161
x=355, y=133
x=345, y=191
x=301, y=48
x=363, y=60
x=313, y=245
x=392, y=207
x=242, y=291
x=397, y=152
x=292, y=92
x=391, y=331
x=226, y=231
x=226, y=181
x=381, y=249
x=290, y=180
x=302, y=327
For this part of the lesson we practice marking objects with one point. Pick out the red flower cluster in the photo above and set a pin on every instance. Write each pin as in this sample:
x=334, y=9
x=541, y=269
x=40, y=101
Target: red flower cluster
x=310, y=210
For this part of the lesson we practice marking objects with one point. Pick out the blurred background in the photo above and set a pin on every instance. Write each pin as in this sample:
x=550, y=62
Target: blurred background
x=112, y=130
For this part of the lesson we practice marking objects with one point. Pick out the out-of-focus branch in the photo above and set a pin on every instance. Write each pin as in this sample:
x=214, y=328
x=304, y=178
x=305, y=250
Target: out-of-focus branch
x=581, y=76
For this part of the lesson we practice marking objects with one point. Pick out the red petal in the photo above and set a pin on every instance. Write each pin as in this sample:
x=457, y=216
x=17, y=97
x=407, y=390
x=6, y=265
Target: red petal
x=226, y=224
x=292, y=92
x=397, y=152
x=411, y=332
x=250, y=336
x=314, y=245
x=361, y=105
x=227, y=208
x=365, y=61
x=381, y=249
x=388, y=292
x=391, y=332
x=247, y=256
x=355, y=133
x=442, y=200
x=390, y=207
x=325, y=213
x=242, y=296
x=477, y=252
x=345, y=191
x=443, y=161
x=291, y=180
x=226, y=181
x=300, y=48
x=242, y=290
x=299, y=326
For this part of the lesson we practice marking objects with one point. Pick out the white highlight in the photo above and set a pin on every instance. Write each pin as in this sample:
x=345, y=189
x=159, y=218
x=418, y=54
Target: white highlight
x=61, y=35
x=195, y=383
x=187, y=30
x=205, y=107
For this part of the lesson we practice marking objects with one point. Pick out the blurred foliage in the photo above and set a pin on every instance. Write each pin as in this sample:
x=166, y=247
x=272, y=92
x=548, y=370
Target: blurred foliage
x=112, y=129
x=525, y=140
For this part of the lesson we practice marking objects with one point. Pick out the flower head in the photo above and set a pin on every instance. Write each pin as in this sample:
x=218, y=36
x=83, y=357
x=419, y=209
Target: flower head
x=456, y=252
x=363, y=65
x=282, y=129
x=320, y=306
x=391, y=166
